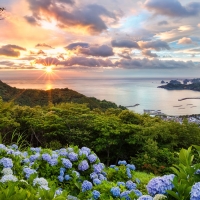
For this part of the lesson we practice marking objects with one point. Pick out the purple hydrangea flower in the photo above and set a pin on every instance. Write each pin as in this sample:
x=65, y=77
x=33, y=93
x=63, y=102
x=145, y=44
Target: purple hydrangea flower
x=98, y=168
x=37, y=149
x=92, y=158
x=53, y=162
x=6, y=162
x=130, y=185
x=86, y=149
x=46, y=157
x=93, y=175
x=14, y=146
x=102, y=177
x=83, y=153
x=115, y=191
x=28, y=171
x=86, y=185
x=160, y=185
x=67, y=163
x=83, y=166
x=34, y=157
x=96, y=181
x=125, y=195
x=73, y=156
x=137, y=192
x=195, y=192
x=96, y=194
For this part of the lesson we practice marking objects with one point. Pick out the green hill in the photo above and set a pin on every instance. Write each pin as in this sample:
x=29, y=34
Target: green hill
x=33, y=97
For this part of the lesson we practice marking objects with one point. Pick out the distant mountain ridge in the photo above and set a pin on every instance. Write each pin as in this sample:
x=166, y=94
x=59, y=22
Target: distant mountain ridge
x=34, y=97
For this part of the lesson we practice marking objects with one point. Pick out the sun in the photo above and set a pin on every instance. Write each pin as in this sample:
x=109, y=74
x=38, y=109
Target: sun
x=48, y=70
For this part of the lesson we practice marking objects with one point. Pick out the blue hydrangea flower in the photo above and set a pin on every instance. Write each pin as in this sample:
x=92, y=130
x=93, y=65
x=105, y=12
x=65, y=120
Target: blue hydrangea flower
x=73, y=156
x=131, y=167
x=122, y=162
x=58, y=192
x=54, y=156
x=62, y=171
x=67, y=177
x=96, y=181
x=83, y=166
x=28, y=172
x=67, y=163
x=137, y=192
x=102, y=177
x=93, y=175
x=96, y=194
x=130, y=185
x=2, y=146
x=6, y=162
x=34, y=157
x=112, y=166
x=63, y=152
x=14, y=146
x=115, y=191
x=70, y=197
x=120, y=183
x=86, y=149
x=53, y=162
x=37, y=149
x=61, y=178
x=46, y=157
x=145, y=197
x=160, y=185
x=83, y=153
x=195, y=192
x=92, y=158
x=86, y=185
x=198, y=171
x=97, y=168
x=128, y=172
x=125, y=195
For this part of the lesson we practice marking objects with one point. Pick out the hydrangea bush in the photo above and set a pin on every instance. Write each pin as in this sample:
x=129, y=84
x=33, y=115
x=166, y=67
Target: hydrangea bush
x=73, y=173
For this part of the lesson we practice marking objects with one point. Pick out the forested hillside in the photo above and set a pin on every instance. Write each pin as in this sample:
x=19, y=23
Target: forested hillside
x=34, y=97
x=151, y=143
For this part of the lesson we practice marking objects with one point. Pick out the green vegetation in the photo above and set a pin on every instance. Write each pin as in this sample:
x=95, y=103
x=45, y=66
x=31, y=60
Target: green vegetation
x=34, y=97
x=115, y=134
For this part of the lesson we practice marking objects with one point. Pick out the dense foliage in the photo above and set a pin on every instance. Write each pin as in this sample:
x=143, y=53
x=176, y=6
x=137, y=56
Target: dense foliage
x=114, y=134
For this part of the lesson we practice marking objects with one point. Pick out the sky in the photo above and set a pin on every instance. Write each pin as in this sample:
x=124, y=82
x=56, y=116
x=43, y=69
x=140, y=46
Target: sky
x=107, y=37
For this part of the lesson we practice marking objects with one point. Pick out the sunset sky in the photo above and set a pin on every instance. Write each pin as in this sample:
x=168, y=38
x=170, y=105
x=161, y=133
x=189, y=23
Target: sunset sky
x=149, y=37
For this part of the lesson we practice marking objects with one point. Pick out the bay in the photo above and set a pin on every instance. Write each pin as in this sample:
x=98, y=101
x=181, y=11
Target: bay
x=123, y=91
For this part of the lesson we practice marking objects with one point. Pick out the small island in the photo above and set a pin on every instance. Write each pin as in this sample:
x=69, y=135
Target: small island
x=188, y=84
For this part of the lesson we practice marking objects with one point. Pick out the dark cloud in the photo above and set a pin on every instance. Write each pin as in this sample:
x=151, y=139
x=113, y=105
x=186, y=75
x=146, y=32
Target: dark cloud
x=7, y=63
x=31, y=20
x=43, y=45
x=91, y=17
x=102, y=51
x=125, y=54
x=73, y=46
x=153, y=64
x=87, y=62
x=162, y=23
x=148, y=53
x=11, y=50
x=195, y=50
x=67, y=1
x=47, y=61
x=157, y=45
x=125, y=44
x=173, y=8
x=40, y=52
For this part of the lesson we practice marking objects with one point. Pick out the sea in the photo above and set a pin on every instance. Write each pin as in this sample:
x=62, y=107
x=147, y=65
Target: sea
x=124, y=91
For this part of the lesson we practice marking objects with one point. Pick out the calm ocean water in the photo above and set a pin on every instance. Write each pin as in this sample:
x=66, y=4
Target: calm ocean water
x=123, y=91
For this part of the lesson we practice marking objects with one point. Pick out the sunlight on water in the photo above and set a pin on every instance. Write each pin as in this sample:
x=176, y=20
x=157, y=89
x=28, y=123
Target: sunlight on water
x=124, y=91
